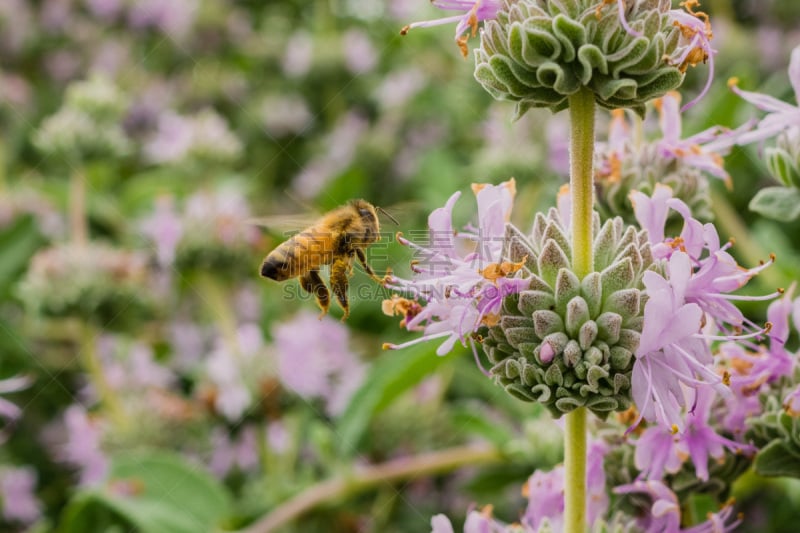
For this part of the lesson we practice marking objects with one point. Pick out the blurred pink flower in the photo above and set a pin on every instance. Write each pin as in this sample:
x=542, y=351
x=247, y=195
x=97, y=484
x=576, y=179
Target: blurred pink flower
x=286, y=115
x=55, y=15
x=173, y=18
x=221, y=214
x=16, y=19
x=299, y=54
x=315, y=361
x=18, y=499
x=399, y=87
x=360, y=55
x=240, y=451
x=105, y=10
x=62, y=65
x=278, y=436
x=82, y=447
x=130, y=366
x=234, y=369
x=188, y=341
x=340, y=148
x=165, y=229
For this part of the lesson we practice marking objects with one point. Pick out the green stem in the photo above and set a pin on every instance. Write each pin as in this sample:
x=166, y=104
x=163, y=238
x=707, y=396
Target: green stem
x=3, y=168
x=79, y=226
x=581, y=185
x=575, y=471
x=370, y=477
x=216, y=299
x=94, y=367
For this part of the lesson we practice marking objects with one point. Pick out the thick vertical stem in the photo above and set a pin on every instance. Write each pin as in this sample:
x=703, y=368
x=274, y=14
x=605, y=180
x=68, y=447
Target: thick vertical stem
x=581, y=185
x=79, y=226
x=575, y=472
x=581, y=108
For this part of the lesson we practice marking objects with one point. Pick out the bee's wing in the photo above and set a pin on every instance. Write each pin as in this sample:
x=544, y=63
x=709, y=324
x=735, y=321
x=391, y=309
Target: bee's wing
x=284, y=224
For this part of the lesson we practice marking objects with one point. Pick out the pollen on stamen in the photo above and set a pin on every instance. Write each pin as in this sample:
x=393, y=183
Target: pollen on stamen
x=599, y=11
x=674, y=429
x=462, y=45
x=404, y=30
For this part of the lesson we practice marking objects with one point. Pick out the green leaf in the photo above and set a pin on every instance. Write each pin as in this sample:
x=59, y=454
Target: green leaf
x=471, y=420
x=777, y=460
x=19, y=242
x=154, y=492
x=778, y=203
x=782, y=166
x=392, y=374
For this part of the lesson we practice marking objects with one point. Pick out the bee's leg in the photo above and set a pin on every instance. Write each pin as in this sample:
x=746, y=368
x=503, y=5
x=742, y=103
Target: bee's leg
x=339, y=283
x=312, y=283
x=362, y=258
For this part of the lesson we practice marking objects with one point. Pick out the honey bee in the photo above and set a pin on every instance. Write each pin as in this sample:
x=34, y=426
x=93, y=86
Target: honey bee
x=335, y=239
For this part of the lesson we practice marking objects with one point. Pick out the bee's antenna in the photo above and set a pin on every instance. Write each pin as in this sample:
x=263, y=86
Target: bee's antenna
x=390, y=217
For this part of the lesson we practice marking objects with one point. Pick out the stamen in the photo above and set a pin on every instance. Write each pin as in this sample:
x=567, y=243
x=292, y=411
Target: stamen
x=738, y=297
x=494, y=271
x=739, y=336
x=478, y=359
x=426, y=338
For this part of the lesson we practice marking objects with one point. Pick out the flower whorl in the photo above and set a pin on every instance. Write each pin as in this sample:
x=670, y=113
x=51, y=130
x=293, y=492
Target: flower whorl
x=539, y=52
x=566, y=342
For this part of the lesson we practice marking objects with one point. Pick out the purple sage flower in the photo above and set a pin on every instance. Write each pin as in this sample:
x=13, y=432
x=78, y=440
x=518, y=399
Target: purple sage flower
x=472, y=12
x=665, y=512
x=672, y=357
x=780, y=115
x=455, y=272
x=695, y=42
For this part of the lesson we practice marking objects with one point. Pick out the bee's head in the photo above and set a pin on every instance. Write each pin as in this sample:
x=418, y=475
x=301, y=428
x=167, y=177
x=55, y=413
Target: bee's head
x=369, y=217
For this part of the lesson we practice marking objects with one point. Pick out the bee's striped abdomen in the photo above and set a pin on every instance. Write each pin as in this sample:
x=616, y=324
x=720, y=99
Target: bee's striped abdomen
x=278, y=264
x=307, y=250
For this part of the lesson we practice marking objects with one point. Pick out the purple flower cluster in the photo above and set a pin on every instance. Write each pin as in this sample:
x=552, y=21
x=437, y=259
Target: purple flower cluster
x=674, y=355
x=461, y=275
x=545, y=510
